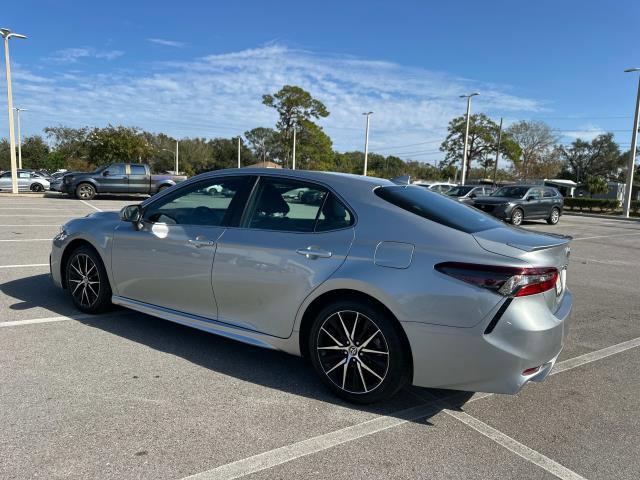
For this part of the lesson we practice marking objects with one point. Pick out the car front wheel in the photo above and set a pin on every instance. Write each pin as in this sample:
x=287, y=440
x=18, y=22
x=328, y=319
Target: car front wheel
x=85, y=191
x=86, y=280
x=358, y=352
x=517, y=217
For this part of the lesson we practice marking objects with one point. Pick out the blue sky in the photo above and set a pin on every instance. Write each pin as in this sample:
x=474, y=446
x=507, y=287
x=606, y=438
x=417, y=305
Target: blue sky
x=200, y=68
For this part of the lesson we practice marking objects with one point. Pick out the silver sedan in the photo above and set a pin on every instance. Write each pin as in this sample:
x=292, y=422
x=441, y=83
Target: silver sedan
x=378, y=285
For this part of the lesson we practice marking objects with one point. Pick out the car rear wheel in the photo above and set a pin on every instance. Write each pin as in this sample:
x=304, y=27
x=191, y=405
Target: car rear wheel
x=85, y=191
x=554, y=216
x=87, y=282
x=36, y=187
x=517, y=217
x=358, y=352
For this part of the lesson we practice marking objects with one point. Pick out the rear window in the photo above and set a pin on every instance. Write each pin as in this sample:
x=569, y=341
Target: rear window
x=438, y=208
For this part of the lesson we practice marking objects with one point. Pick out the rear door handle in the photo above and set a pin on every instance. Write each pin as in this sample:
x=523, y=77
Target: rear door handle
x=313, y=252
x=199, y=243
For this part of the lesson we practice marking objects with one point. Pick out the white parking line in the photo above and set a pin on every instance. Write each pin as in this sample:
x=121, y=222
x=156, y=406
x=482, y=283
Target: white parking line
x=47, y=215
x=92, y=206
x=25, y=266
x=35, y=208
x=288, y=453
x=38, y=225
x=17, y=323
x=516, y=447
x=27, y=240
x=607, y=236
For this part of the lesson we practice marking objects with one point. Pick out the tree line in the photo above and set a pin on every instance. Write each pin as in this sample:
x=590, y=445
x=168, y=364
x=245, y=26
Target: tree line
x=528, y=149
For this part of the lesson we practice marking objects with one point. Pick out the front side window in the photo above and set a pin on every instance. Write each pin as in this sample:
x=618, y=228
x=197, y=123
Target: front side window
x=438, y=208
x=212, y=203
x=511, y=192
x=115, y=170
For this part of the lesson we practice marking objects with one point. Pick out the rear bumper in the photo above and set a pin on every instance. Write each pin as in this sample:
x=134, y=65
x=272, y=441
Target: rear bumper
x=527, y=335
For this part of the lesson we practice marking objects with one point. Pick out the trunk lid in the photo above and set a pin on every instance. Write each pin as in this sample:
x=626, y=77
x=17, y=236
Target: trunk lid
x=537, y=249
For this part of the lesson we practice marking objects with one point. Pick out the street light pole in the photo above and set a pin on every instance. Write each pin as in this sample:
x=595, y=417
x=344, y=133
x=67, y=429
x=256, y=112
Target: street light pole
x=632, y=157
x=7, y=34
x=293, y=164
x=18, y=110
x=466, y=137
x=366, y=142
x=177, y=157
x=495, y=167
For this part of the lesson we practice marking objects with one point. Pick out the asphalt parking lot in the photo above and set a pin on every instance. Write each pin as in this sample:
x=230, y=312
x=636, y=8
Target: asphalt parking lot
x=124, y=395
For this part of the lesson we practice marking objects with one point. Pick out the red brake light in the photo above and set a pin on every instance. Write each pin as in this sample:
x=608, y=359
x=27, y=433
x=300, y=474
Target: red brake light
x=507, y=281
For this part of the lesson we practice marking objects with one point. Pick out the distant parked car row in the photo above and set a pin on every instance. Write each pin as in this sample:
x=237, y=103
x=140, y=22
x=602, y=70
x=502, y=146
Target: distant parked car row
x=28, y=180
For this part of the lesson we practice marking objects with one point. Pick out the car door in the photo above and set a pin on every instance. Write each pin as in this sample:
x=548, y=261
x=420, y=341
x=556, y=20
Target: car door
x=114, y=179
x=167, y=260
x=549, y=200
x=5, y=181
x=139, y=180
x=531, y=203
x=24, y=180
x=290, y=243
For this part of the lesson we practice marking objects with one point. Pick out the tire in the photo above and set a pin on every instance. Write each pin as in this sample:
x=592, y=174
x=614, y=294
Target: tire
x=87, y=281
x=36, y=187
x=85, y=191
x=517, y=215
x=554, y=216
x=375, y=368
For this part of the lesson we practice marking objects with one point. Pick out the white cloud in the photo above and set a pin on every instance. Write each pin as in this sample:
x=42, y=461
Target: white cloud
x=585, y=132
x=166, y=43
x=220, y=95
x=73, y=55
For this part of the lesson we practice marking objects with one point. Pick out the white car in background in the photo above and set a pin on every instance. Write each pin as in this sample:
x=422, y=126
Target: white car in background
x=27, y=181
x=440, y=187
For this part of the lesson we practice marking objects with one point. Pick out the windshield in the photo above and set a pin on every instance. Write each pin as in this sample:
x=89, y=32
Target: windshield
x=511, y=192
x=459, y=191
x=438, y=208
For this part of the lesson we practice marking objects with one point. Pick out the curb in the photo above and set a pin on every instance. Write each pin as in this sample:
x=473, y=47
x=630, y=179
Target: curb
x=597, y=215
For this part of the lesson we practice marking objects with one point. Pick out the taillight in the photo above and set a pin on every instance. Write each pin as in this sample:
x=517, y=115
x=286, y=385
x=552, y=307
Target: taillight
x=507, y=281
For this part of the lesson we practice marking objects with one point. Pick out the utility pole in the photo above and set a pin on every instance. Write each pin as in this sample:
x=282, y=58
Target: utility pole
x=7, y=34
x=18, y=110
x=294, y=148
x=238, y=151
x=495, y=167
x=466, y=137
x=632, y=157
x=177, y=170
x=366, y=142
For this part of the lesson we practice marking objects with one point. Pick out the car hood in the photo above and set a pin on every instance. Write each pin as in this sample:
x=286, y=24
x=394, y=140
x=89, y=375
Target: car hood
x=495, y=200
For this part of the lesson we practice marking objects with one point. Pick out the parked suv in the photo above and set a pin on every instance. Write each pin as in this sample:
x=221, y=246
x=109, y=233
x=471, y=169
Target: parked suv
x=466, y=193
x=516, y=203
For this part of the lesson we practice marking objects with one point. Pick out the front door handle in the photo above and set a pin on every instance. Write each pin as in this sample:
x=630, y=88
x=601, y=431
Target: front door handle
x=313, y=252
x=199, y=243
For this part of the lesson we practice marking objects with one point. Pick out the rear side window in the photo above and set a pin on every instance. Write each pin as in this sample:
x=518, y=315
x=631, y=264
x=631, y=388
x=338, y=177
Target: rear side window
x=437, y=208
x=138, y=170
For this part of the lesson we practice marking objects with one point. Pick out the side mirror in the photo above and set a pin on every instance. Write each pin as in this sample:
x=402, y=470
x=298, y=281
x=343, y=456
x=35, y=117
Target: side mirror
x=472, y=195
x=131, y=214
x=530, y=197
x=105, y=173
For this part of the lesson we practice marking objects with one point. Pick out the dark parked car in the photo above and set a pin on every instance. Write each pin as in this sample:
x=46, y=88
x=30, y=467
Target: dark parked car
x=466, y=193
x=132, y=178
x=523, y=202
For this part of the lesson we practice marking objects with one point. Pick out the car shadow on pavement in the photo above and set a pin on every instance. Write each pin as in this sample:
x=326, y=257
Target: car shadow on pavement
x=268, y=368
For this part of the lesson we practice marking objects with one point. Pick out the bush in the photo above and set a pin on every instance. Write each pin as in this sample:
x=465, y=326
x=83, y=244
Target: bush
x=635, y=206
x=602, y=204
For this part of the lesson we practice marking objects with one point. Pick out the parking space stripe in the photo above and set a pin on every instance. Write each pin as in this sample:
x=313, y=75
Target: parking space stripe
x=606, y=236
x=26, y=266
x=90, y=205
x=516, y=447
x=287, y=453
x=33, y=321
x=51, y=225
x=27, y=240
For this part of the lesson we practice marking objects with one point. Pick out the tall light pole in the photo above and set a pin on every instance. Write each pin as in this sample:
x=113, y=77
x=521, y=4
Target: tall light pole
x=18, y=110
x=293, y=163
x=238, y=151
x=177, y=153
x=632, y=156
x=495, y=167
x=466, y=137
x=366, y=142
x=7, y=34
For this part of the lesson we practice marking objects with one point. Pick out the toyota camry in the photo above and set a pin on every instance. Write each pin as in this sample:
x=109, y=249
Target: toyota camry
x=379, y=285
